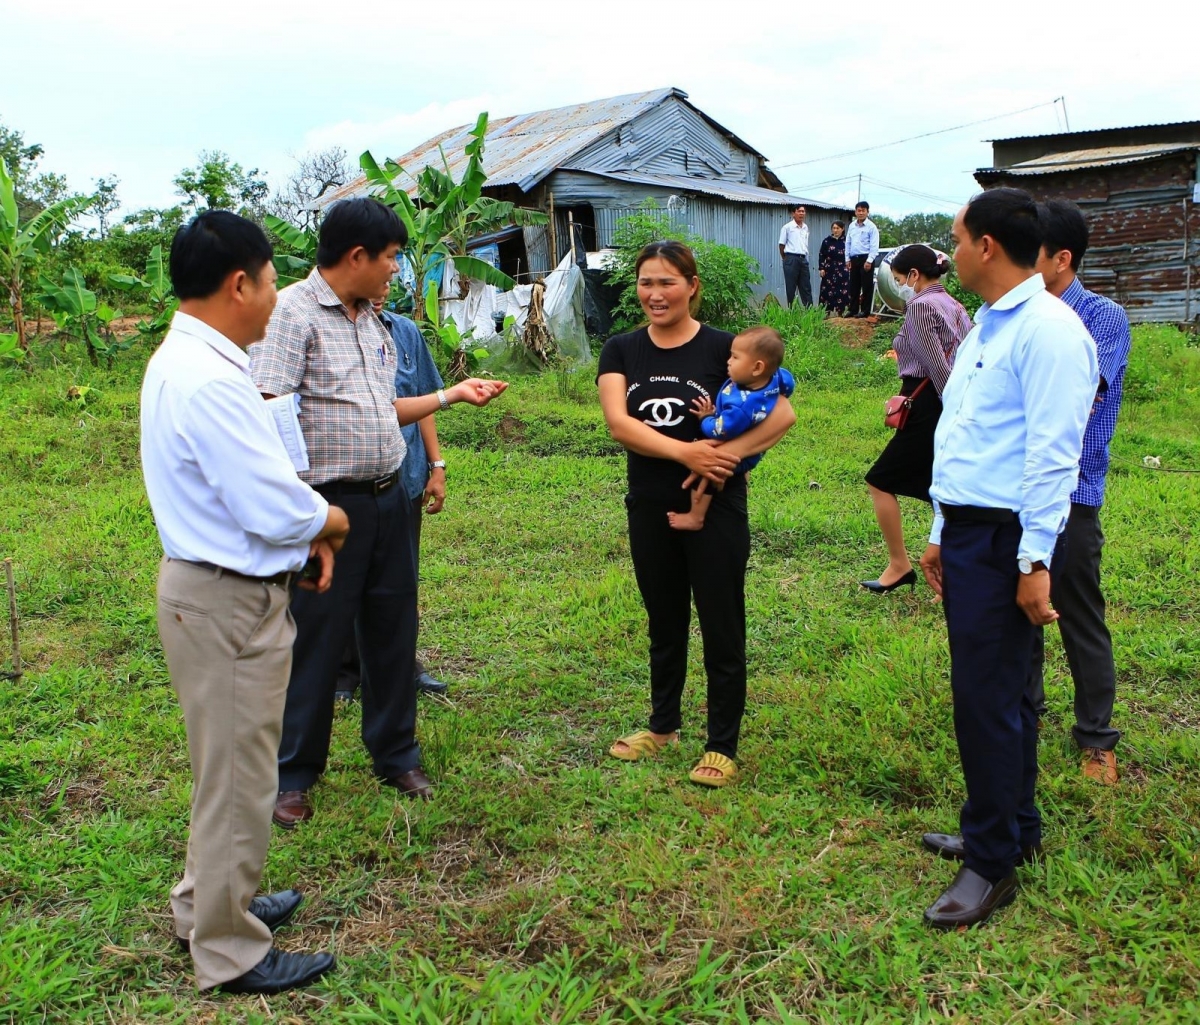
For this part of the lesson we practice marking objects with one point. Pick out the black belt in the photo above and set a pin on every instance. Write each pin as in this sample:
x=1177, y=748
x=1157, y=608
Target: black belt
x=976, y=514
x=283, y=580
x=361, y=487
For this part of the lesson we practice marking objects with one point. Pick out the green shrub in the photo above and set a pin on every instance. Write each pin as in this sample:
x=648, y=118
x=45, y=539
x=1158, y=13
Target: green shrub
x=726, y=273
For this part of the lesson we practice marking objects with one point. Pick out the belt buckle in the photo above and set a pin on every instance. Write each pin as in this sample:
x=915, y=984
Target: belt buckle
x=381, y=484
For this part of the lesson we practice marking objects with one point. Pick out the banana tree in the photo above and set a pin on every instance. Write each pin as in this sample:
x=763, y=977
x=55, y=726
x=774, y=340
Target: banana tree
x=19, y=243
x=155, y=287
x=78, y=313
x=292, y=266
x=446, y=215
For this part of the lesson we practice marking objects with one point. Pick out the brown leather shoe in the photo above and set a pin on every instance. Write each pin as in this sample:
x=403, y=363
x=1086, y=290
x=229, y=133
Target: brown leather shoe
x=1100, y=766
x=291, y=807
x=970, y=900
x=951, y=847
x=413, y=783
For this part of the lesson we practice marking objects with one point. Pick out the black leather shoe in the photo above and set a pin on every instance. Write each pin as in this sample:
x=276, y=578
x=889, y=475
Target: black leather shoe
x=875, y=587
x=272, y=909
x=429, y=685
x=280, y=971
x=950, y=846
x=970, y=900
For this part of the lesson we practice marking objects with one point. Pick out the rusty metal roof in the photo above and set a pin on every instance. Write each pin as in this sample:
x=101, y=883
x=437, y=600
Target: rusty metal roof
x=1100, y=156
x=523, y=149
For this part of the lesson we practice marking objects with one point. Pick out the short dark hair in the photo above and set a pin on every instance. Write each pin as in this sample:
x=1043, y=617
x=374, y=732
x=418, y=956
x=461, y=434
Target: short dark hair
x=362, y=222
x=766, y=343
x=838, y=224
x=210, y=247
x=862, y=204
x=922, y=259
x=1010, y=216
x=1063, y=227
x=799, y=206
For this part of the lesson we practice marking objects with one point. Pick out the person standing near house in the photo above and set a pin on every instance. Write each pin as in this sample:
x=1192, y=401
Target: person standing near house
x=237, y=526
x=423, y=473
x=1006, y=459
x=862, y=249
x=325, y=343
x=831, y=265
x=793, y=250
x=1077, y=594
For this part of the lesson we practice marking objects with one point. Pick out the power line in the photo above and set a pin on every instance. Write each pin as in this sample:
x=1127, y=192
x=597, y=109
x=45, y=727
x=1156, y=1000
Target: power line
x=923, y=135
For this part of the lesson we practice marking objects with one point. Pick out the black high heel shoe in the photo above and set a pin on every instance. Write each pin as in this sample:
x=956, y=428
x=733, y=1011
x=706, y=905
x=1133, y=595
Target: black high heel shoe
x=875, y=587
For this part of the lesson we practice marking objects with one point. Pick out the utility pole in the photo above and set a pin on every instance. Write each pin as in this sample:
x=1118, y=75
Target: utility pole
x=858, y=196
x=1066, y=120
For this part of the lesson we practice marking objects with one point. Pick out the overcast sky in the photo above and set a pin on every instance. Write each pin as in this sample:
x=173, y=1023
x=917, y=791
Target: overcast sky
x=138, y=89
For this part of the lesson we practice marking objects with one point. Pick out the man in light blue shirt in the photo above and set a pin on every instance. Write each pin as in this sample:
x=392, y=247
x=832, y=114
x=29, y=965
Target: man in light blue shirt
x=862, y=250
x=1006, y=460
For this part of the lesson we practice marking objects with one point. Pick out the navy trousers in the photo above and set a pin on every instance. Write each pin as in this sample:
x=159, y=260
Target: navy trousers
x=991, y=652
x=375, y=580
x=797, y=275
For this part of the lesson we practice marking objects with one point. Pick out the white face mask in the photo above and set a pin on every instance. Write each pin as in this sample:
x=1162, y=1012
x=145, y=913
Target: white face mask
x=907, y=293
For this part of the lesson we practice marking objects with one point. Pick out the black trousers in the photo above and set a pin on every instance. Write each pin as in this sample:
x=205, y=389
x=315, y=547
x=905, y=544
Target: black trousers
x=1085, y=637
x=350, y=671
x=991, y=648
x=675, y=567
x=796, y=273
x=862, y=286
x=375, y=583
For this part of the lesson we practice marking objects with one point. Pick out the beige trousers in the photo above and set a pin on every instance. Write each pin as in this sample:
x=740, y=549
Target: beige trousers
x=228, y=643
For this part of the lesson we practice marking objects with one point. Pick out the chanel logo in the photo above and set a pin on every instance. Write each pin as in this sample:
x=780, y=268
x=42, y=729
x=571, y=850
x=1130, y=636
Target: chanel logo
x=662, y=413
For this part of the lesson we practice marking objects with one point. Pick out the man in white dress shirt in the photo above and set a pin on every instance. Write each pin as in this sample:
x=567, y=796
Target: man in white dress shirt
x=793, y=250
x=237, y=526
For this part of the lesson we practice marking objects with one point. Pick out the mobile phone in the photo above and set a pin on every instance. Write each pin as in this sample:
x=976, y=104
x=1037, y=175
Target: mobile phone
x=312, y=570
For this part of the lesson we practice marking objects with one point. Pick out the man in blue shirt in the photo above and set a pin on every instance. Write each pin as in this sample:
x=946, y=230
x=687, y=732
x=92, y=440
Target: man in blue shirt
x=862, y=250
x=1077, y=594
x=1006, y=459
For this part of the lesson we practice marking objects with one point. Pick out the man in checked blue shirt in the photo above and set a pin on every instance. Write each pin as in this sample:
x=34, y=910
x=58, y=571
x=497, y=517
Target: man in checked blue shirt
x=1006, y=460
x=1077, y=594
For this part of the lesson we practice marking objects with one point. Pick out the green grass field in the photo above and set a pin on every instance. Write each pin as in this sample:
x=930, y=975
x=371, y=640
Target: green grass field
x=547, y=882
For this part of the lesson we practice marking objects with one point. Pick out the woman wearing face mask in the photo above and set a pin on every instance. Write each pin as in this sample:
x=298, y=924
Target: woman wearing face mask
x=835, y=279
x=934, y=323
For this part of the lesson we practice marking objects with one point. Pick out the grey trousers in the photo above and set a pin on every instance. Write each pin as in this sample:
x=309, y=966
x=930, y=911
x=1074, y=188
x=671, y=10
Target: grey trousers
x=228, y=643
x=1088, y=645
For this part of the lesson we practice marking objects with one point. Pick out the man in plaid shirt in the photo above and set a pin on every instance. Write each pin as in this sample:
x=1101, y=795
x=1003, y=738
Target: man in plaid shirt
x=325, y=344
x=1077, y=595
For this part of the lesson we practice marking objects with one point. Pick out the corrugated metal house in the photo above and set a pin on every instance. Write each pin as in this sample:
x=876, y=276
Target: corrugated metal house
x=1138, y=188
x=591, y=163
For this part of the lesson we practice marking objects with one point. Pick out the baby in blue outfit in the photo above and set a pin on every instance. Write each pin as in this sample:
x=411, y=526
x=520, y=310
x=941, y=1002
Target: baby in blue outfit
x=756, y=380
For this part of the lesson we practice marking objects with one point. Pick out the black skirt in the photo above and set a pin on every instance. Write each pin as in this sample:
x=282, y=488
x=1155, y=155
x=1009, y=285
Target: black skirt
x=905, y=466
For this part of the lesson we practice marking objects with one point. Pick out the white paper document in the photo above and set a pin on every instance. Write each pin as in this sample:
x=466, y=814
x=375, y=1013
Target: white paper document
x=285, y=410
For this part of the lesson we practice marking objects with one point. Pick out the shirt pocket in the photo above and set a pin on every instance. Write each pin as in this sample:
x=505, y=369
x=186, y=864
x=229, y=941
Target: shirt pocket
x=990, y=394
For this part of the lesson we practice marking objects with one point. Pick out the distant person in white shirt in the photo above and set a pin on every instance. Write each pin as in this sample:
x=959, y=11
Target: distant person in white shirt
x=237, y=527
x=862, y=249
x=793, y=250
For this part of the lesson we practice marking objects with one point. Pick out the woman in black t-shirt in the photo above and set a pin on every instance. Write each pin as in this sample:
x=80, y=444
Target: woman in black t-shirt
x=650, y=381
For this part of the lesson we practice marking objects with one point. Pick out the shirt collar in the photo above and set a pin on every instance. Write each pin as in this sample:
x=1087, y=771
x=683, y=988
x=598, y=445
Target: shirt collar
x=1013, y=298
x=194, y=327
x=1074, y=292
x=325, y=295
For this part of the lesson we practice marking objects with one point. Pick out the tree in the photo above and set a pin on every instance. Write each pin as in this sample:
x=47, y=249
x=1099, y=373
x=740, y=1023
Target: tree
x=34, y=191
x=314, y=176
x=217, y=183
x=105, y=202
x=446, y=214
x=21, y=240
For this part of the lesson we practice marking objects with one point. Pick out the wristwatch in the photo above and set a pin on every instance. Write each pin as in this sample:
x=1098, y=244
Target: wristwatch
x=1026, y=567
x=443, y=402
x=437, y=464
